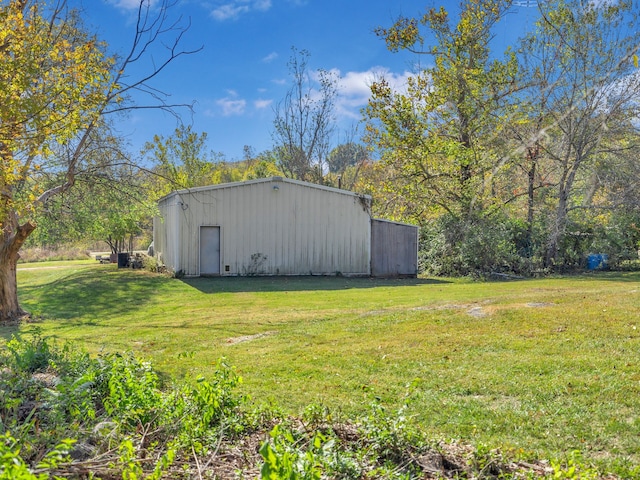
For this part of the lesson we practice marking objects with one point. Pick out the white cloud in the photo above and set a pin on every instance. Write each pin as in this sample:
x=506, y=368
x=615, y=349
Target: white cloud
x=235, y=8
x=261, y=104
x=262, y=5
x=397, y=81
x=270, y=58
x=602, y=3
x=231, y=106
x=354, y=88
x=229, y=11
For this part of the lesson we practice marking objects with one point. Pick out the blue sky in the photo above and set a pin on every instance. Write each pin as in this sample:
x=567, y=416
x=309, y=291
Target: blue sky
x=241, y=73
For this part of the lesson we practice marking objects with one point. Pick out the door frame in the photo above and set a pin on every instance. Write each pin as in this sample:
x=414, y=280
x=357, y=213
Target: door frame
x=219, y=249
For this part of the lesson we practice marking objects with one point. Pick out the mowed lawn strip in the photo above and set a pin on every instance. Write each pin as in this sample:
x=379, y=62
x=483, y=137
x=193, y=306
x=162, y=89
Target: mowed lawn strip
x=541, y=367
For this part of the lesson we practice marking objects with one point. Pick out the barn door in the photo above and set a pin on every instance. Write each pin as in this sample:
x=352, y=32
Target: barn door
x=209, y=250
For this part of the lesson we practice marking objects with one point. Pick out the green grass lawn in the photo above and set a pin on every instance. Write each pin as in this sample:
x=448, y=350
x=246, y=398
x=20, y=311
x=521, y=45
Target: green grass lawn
x=537, y=367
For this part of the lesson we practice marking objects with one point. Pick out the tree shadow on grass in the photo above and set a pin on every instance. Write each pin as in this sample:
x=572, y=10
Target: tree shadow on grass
x=614, y=276
x=310, y=283
x=299, y=284
x=89, y=296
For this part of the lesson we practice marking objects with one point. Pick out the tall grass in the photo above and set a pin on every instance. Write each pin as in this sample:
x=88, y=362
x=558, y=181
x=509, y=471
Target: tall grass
x=48, y=254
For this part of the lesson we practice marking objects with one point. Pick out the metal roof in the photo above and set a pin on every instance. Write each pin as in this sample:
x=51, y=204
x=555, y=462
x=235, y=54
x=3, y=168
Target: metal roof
x=221, y=186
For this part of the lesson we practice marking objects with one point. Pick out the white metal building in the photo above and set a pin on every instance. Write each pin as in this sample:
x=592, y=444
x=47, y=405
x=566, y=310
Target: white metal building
x=273, y=226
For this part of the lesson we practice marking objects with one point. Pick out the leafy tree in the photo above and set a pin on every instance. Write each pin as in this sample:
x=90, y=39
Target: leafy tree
x=182, y=160
x=442, y=139
x=54, y=80
x=346, y=155
x=583, y=62
x=226, y=172
x=98, y=210
x=439, y=136
x=111, y=205
x=345, y=163
x=108, y=201
x=264, y=165
x=388, y=199
x=304, y=122
x=57, y=85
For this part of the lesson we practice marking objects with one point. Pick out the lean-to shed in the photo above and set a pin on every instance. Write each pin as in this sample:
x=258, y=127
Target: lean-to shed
x=394, y=249
x=272, y=226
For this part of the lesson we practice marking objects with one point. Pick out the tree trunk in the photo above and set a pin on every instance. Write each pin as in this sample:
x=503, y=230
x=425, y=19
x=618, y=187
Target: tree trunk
x=10, y=310
x=558, y=228
x=531, y=191
x=562, y=212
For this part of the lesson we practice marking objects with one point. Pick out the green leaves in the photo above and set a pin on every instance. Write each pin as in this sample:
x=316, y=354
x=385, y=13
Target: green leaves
x=284, y=460
x=438, y=136
x=403, y=35
x=181, y=161
x=13, y=466
x=132, y=393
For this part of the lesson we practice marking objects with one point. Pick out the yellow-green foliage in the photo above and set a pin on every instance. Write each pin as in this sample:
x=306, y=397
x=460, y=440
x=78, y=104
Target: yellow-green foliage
x=53, y=79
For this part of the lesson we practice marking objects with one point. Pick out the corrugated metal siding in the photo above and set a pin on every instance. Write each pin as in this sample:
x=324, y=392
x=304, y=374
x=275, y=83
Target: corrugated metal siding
x=292, y=230
x=394, y=249
x=159, y=236
x=166, y=232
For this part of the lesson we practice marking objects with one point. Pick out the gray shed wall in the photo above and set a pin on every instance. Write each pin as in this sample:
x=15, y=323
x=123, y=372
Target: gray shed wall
x=268, y=227
x=394, y=249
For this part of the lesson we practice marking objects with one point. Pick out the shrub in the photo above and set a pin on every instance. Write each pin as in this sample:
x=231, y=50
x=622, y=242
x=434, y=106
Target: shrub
x=30, y=356
x=476, y=246
x=128, y=389
x=615, y=233
x=150, y=263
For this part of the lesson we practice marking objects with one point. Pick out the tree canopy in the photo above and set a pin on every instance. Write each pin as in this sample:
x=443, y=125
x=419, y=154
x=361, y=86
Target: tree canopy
x=439, y=134
x=508, y=160
x=58, y=86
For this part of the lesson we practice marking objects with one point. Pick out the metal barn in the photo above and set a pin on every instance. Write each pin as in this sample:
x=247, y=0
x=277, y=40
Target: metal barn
x=272, y=226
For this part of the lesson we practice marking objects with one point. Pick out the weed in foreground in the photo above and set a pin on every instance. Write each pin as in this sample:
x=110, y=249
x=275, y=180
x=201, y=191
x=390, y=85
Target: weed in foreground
x=62, y=412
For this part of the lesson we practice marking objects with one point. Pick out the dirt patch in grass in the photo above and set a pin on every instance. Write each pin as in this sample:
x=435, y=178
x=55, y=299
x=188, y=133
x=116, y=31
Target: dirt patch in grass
x=435, y=308
x=477, y=312
x=480, y=311
x=248, y=338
